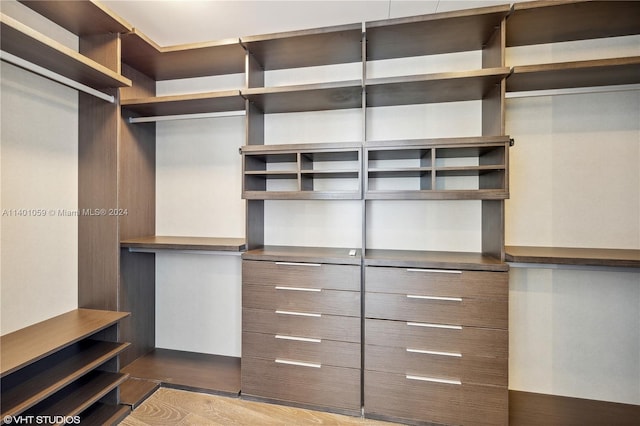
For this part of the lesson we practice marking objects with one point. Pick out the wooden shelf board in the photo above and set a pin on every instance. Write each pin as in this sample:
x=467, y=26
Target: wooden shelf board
x=28, y=44
x=134, y=391
x=157, y=242
x=295, y=49
x=533, y=409
x=35, y=342
x=198, y=103
x=442, y=194
x=573, y=256
x=304, y=254
x=433, y=88
x=301, y=195
x=433, y=259
x=32, y=390
x=541, y=22
x=305, y=148
x=188, y=370
x=182, y=61
x=307, y=97
x=104, y=414
x=601, y=72
x=446, y=32
x=471, y=141
x=80, y=17
x=80, y=395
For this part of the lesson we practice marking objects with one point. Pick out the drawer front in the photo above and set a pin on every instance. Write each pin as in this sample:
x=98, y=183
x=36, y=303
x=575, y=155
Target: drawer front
x=305, y=349
x=417, y=399
x=333, y=302
x=437, y=282
x=490, y=313
x=438, y=364
x=333, y=387
x=320, y=326
x=305, y=275
x=472, y=341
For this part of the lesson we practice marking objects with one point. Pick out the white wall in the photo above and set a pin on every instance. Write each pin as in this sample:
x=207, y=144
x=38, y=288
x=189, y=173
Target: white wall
x=39, y=177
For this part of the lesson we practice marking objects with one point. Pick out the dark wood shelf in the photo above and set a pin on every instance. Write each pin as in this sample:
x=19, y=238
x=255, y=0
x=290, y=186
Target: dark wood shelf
x=433, y=259
x=134, y=391
x=433, y=88
x=80, y=17
x=306, y=97
x=182, y=61
x=104, y=414
x=573, y=256
x=71, y=364
x=447, y=32
x=433, y=194
x=229, y=100
x=189, y=370
x=79, y=395
x=301, y=195
x=330, y=147
x=304, y=254
x=28, y=44
x=540, y=22
x=30, y=344
x=601, y=72
x=295, y=49
x=157, y=242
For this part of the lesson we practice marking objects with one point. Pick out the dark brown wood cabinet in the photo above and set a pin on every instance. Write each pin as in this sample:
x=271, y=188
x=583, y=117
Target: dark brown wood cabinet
x=301, y=330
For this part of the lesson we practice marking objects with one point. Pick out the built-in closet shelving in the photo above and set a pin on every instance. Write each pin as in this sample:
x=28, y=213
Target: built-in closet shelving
x=538, y=22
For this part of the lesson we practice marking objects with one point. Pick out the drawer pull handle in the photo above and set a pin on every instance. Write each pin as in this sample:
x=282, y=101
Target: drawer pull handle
x=438, y=271
x=298, y=363
x=431, y=379
x=420, y=351
x=298, y=339
x=446, y=299
x=298, y=289
x=424, y=324
x=299, y=314
x=298, y=264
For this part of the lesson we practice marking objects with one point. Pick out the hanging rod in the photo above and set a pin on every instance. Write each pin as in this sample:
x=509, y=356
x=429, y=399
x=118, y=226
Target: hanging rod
x=572, y=91
x=37, y=69
x=134, y=120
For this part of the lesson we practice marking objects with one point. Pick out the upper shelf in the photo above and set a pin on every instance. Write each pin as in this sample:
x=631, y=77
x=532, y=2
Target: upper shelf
x=155, y=242
x=601, y=72
x=295, y=49
x=80, y=17
x=573, y=256
x=211, y=102
x=28, y=44
x=182, y=61
x=433, y=88
x=447, y=32
x=307, y=97
x=558, y=21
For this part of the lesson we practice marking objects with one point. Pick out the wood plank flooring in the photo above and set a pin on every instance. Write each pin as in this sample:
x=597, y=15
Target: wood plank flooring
x=178, y=408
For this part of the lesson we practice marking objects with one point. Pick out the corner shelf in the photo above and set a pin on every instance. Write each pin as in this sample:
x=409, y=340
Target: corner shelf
x=294, y=171
x=182, y=61
x=211, y=102
x=429, y=164
x=625, y=258
x=28, y=44
x=156, y=242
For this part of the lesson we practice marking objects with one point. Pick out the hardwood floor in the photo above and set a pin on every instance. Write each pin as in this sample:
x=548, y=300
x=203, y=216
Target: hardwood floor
x=177, y=407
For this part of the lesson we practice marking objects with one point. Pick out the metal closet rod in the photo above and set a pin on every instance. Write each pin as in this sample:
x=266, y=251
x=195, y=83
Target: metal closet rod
x=37, y=69
x=135, y=120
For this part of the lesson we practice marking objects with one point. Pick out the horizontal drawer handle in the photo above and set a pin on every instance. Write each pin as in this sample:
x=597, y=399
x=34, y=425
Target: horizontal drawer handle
x=446, y=299
x=298, y=339
x=298, y=363
x=278, y=287
x=424, y=324
x=431, y=379
x=420, y=351
x=299, y=314
x=298, y=264
x=438, y=271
